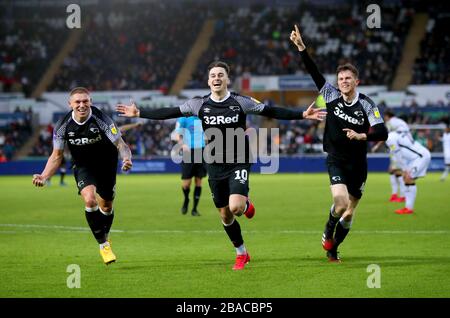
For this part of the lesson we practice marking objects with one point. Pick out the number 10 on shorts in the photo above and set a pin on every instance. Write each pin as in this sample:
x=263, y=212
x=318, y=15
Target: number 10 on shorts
x=241, y=175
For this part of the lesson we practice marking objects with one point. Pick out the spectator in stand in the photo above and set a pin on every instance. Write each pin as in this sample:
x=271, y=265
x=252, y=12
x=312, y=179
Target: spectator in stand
x=2, y=157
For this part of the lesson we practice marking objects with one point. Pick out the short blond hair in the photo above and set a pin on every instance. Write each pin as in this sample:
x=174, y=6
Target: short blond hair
x=79, y=90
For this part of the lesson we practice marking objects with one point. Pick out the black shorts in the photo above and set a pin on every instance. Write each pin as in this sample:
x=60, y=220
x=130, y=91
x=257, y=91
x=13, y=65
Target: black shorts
x=189, y=170
x=193, y=168
x=103, y=179
x=235, y=183
x=352, y=174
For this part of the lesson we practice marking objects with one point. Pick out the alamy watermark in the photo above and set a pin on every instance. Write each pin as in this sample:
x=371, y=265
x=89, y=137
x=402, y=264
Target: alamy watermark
x=73, y=20
x=233, y=146
x=374, y=279
x=374, y=19
x=74, y=279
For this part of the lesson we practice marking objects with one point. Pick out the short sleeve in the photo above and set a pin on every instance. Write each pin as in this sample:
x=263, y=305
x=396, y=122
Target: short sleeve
x=191, y=106
x=107, y=126
x=59, y=132
x=250, y=105
x=372, y=112
x=329, y=92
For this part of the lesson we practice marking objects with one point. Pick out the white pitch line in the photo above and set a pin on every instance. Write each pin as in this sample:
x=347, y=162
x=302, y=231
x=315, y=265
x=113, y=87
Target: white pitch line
x=50, y=227
x=86, y=229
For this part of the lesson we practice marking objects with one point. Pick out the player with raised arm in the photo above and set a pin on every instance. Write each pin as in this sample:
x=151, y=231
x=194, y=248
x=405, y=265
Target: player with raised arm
x=350, y=116
x=219, y=111
x=94, y=142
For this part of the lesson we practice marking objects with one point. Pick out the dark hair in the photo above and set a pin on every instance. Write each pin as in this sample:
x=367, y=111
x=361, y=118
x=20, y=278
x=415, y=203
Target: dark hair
x=347, y=67
x=219, y=64
x=78, y=90
x=389, y=113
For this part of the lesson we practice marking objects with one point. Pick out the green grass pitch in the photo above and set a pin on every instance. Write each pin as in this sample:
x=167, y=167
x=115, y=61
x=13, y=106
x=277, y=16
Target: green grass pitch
x=162, y=253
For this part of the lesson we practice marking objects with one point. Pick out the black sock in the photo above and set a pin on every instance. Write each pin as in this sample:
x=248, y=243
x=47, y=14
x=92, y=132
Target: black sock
x=62, y=178
x=234, y=233
x=332, y=220
x=107, y=221
x=341, y=233
x=197, y=192
x=330, y=225
x=186, y=195
x=96, y=224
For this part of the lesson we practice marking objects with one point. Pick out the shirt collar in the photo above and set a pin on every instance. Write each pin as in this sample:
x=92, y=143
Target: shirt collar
x=89, y=116
x=353, y=101
x=221, y=100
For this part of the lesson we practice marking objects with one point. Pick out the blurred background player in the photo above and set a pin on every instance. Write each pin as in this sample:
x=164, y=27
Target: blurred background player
x=415, y=159
x=189, y=134
x=350, y=115
x=446, y=148
x=228, y=176
x=394, y=124
x=94, y=142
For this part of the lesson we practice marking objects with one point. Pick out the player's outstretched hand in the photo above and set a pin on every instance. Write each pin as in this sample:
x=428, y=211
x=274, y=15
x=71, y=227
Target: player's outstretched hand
x=126, y=164
x=296, y=38
x=128, y=110
x=39, y=180
x=314, y=113
x=351, y=134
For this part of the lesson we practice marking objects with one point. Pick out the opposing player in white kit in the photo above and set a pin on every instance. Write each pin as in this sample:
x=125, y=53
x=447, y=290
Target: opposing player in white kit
x=414, y=159
x=393, y=124
x=446, y=146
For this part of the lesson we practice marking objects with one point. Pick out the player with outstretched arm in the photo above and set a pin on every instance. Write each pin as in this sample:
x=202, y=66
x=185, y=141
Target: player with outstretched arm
x=219, y=111
x=352, y=120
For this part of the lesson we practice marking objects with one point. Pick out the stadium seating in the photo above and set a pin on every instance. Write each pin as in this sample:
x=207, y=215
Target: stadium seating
x=432, y=66
x=15, y=129
x=152, y=139
x=132, y=46
x=142, y=45
x=29, y=39
x=256, y=40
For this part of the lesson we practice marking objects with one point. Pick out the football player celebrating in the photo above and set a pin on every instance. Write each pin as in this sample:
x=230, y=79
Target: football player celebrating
x=350, y=115
x=221, y=111
x=94, y=142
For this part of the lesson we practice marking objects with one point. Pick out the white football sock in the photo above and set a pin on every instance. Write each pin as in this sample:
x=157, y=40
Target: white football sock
x=103, y=245
x=401, y=182
x=445, y=173
x=106, y=213
x=241, y=250
x=410, y=193
x=345, y=224
x=88, y=209
x=394, y=185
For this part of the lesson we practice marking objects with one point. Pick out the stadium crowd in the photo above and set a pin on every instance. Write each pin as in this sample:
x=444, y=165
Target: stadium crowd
x=255, y=40
x=14, y=132
x=143, y=45
x=152, y=139
x=132, y=47
x=29, y=39
x=432, y=66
